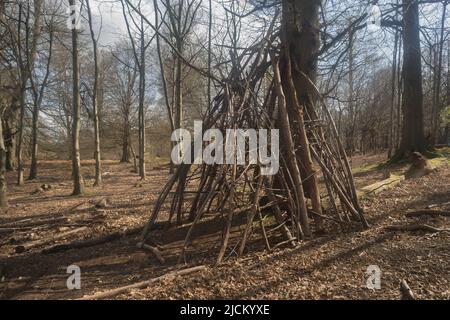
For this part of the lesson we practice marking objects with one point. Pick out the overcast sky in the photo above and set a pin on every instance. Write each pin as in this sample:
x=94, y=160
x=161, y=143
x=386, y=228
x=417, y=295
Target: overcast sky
x=111, y=19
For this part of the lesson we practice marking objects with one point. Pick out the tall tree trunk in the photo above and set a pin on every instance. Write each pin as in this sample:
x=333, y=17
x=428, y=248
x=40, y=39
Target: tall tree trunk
x=141, y=104
x=3, y=193
x=438, y=74
x=26, y=74
x=301, y=32
x=178, y=73
x=34, y=142
x=38, y=96
x=126, y=141
x=210, y=18
x=20, y=136
x=178, y=95
x=393, y=91
x=351, y=103
x=10, y=137
x=97, y=153
x=78, y=184
x=399, y=94
x=293, y=167
x=413, y=138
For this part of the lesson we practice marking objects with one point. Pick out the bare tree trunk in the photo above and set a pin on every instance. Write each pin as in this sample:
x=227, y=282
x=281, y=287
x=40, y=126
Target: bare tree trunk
x=351, y=104
x=140, y=63
x=141, y=104
x=393, y=91
x=178, y=95
x=438, y=74
x=20, y=137
x=97, y=153
x=302, y=214
x=126, y=138
x=78, y=184
x=162, y=70
x=34, y=143
x=26, y=72
x=3, y=189
x=399, y=94
x=38, y=96
x=10, y=138
x=302, y=46
x=209, y=51
x=413, y=138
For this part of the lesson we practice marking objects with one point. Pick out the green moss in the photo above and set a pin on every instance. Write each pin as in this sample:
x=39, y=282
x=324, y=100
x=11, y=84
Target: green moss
x=368, y=167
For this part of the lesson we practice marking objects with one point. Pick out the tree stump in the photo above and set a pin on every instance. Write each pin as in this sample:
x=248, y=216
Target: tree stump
x=419, y=166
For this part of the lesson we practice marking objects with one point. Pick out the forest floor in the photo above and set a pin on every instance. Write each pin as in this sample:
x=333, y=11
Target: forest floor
x=331, y=266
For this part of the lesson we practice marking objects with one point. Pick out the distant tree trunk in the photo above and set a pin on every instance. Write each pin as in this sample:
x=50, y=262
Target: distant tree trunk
x=399, y=94
x=10, y=138
x=20, y=136
x=210, y=19
x=141, y=104
x=178, y=95
x=351, y=103
x=413, y=138
x=438, y=77
x=3, y=194
x=169, y=106
x=78, y=184
x=26, y=73
x=126, y=140
x=34, y=143
x=140, y=63
x=38, y=96
x=97, y=153
x=393, y=91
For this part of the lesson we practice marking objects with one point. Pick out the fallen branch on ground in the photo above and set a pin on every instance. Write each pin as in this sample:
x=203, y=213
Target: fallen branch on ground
x=415, y=227
x=142, y=284
x=153, y=250
x=428, y=212
x=32, y=244
x=380, y=186
x=431, y=206
x=7, y=231
x=91, y=242
x=29, y=224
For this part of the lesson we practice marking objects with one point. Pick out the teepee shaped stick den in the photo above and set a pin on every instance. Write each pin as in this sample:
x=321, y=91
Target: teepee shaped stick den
x=312, y=191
